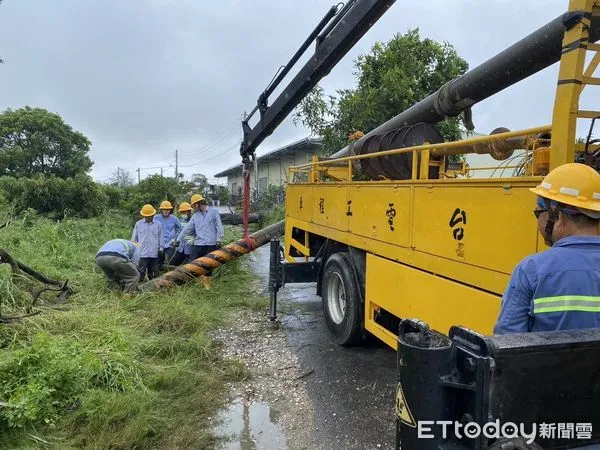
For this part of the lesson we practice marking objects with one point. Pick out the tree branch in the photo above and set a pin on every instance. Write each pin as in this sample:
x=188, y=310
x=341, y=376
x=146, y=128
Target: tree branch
x=62, y=286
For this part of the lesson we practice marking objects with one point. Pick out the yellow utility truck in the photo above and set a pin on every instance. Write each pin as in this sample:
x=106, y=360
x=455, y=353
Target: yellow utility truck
x=404, y=243
x=423, y=237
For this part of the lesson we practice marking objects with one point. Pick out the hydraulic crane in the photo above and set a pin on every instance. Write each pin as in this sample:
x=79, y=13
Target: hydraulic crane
x=334, y=36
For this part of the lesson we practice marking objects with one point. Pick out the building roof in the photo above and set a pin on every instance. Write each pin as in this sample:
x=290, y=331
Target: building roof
x=307, y=144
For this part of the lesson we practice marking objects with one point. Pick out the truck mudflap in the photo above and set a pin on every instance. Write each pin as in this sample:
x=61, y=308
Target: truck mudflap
x=468, y=391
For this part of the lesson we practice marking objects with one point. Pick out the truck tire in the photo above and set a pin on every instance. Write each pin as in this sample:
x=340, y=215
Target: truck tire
x=341, y=300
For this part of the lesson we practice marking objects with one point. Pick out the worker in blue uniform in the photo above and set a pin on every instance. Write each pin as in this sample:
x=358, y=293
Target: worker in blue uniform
x=119, y=260
x=184, y=249
x=559, y=289
x=170, y=229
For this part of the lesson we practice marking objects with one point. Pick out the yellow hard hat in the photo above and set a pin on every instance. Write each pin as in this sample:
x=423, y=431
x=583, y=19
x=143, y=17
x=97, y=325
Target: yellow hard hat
x=165, y=205
x=147, y=210
x=573, y=184
x=196, y=198
x=185, y=206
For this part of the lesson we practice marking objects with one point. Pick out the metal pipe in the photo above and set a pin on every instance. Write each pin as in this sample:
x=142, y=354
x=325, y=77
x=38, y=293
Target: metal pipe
x=499, y=149
x=432, y=147
x=205, y=264
x=539, y=50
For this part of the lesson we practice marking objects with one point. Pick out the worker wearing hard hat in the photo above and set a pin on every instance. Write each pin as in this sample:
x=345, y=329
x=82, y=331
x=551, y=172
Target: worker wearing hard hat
x=118, y=259
x=207, y=229
x=184, y=250
x=559, y=289
x=170, y=229
x=149, y=234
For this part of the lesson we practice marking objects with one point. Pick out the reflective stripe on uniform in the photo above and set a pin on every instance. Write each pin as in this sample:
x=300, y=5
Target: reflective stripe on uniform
x=566, y=303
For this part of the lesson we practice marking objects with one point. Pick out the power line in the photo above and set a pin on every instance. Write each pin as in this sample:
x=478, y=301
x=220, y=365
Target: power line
x=227, y=150
x=210, y=149
x=223, y=136
x=226, y=135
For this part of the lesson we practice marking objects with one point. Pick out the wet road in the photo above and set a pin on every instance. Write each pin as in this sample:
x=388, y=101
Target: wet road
x=352, y=389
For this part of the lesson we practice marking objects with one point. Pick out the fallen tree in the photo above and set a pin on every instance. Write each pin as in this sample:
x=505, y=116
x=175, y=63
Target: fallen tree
x=238, y=219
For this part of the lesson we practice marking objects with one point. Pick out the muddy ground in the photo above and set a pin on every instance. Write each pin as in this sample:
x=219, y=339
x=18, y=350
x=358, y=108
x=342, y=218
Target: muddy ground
x=305, y=392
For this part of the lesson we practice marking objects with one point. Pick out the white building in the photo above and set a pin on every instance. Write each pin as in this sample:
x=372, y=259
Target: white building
x=273, y=166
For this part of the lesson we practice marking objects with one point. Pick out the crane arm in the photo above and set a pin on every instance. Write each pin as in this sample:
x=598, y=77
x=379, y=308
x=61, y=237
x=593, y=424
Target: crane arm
x=334, y=36
x=346, y=26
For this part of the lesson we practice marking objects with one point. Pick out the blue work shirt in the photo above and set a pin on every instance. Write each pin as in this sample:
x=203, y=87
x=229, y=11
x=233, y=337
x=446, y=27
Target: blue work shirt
x=205, y=226
x=123, y=247
x=558, y=289
x=149, y=235
x=170, y=228
x=184, y=247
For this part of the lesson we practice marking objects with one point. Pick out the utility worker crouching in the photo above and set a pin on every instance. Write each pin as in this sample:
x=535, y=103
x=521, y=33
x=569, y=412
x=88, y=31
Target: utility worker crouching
x=149, y=234
x=559, y=289
x=118, y=259
x=207, y=228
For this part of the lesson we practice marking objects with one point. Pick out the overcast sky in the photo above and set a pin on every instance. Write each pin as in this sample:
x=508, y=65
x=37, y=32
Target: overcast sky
x=143, y=78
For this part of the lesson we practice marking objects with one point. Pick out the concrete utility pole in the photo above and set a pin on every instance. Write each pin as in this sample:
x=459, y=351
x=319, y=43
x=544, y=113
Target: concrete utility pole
x=176, y=165
x=161, y=171
x=138, y=171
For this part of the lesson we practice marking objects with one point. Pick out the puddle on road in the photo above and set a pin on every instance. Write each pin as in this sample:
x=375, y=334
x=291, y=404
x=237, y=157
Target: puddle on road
x=249, y=426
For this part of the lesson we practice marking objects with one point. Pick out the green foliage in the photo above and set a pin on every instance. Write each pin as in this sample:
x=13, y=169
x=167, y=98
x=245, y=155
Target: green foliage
x=391, y=78
x=39, y=381
x=112, y=371
x=273, y=215
x=35, y=141
x=116, y=196
x=273, y=196
x=271, y=204
x=154, y=190
x=223, y=194
x=78, y=196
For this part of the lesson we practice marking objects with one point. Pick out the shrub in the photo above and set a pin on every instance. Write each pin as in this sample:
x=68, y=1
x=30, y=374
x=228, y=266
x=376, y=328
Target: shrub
x=39, y=381
x=154, y=190
x=116, y=196
x=79, y=196
x=273, y=196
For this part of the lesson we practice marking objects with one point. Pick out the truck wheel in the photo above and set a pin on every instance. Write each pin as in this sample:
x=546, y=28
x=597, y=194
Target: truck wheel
x=341, y=300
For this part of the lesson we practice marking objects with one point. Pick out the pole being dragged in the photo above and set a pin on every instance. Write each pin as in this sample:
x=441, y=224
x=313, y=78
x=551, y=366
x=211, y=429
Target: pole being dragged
x=201, y=266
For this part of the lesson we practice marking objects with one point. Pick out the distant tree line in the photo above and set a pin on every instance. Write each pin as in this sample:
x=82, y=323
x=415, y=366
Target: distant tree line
x=44, y=166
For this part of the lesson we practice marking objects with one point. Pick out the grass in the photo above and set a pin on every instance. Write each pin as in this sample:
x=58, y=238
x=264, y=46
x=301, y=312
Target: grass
x=110, y=371
x=273, y=215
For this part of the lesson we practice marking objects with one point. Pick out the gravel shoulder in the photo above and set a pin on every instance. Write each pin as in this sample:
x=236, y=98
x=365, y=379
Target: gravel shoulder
x=276, y=376
x=318, y=394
